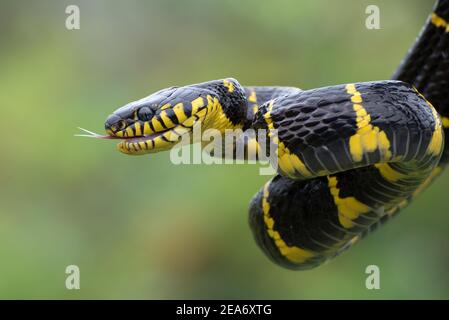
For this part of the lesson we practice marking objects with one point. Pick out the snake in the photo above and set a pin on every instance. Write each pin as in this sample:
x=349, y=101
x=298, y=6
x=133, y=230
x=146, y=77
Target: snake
x=349, y=157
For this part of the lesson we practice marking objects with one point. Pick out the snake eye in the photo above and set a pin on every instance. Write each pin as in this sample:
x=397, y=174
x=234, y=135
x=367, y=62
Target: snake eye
x=144, y=114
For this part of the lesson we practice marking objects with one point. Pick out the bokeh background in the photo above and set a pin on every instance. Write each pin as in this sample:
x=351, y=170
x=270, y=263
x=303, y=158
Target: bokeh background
x=143, y=228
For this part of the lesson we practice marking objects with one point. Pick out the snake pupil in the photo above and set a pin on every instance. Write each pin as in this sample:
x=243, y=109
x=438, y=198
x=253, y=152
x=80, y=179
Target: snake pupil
x=144, y=114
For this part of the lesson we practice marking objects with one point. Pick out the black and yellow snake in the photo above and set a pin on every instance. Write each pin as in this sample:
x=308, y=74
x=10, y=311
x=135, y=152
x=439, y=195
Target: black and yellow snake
x=350, y=156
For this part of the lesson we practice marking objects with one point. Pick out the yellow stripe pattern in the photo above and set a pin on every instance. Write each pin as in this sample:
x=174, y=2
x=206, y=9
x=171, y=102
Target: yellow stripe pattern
x=229, y=85
x=197, y=104
x=445, y=121
x=216, y=118
x=253, y=98
x=436, y=142
x=435, y=172
x=166, y=120
x=288, y=162
x=439, y=22
x=349, y=208
x=368, y=138
x=292, y=253
x=388, y=173
x=138, y=128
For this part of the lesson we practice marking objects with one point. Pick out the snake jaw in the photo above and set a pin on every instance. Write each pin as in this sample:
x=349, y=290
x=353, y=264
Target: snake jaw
x=152, y=143
x=159, y=134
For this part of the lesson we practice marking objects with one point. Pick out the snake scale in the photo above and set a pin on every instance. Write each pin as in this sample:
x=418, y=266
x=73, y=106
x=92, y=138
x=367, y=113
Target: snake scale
x=349, y=156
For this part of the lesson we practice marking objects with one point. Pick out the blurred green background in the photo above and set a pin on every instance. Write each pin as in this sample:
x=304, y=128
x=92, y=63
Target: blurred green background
x=141, y=227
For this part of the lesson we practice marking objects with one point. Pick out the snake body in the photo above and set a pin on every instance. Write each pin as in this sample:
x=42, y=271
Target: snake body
x=349, y=156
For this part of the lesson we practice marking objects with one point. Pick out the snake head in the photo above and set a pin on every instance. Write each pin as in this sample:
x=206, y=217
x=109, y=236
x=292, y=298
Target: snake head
x=165, y=118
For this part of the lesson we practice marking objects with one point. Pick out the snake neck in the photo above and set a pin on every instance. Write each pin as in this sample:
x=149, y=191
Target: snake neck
x=238, y=118
x=227, y=105
x=235, y=106
x=259, y=96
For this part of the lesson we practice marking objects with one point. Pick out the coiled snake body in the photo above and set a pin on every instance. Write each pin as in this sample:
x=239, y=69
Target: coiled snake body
x=349, y=156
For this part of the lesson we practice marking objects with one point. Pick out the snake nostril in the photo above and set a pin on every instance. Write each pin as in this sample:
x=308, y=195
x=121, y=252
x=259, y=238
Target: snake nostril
x=114, y=123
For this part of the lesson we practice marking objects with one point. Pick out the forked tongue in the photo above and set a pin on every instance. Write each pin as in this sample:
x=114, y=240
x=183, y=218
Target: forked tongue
x=90, y=134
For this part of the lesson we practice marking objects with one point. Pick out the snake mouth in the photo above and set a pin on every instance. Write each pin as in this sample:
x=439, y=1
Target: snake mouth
x=146, y=129
x=142, y=138
x=146, y=143
x=163, y=131
x=155, y=142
